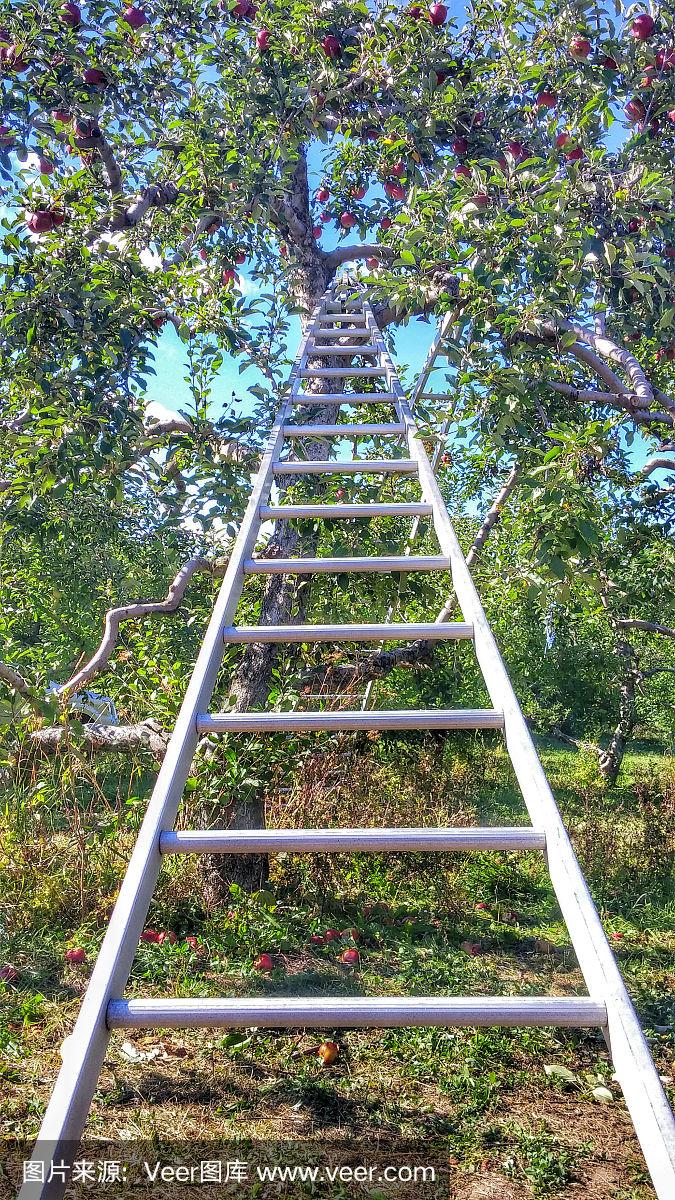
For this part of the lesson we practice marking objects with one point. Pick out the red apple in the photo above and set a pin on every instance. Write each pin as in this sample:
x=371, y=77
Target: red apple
x=325, y=216
x=635, y=110
x=462, y=172
x=472, y=948
x=516, y=150
x=167, y=936
x=244, y=11
x=194, y=944
x=340, y=493
x=358, y=192
x=481, y=199
x=331, y=46
x=316, y=231
x=40, y=221
x=633, y=225
x=459, y=145
x=332, y=935
x=7, y=138
x=323, y=194
x=395, y=190
x=643, y=27
x=562, y=140
x=665, y=60
x=95, y=77
x=77, y=955
x=580, y=47
x=60, y=115
x=8, y=974
x=317, y=940
x=240, y=258
x=347, y=220
x=203, y=255
x=398, y=169
x=12, y=57
x=264, y=962
x=575, y=155
x=262, y=39
x=669, y=251
x=414, y=11
x=283, y=250
x=372, y=263
x=229, y=275
x=609, y=63
x=134, y=17
x=482, y=906
x=350, y=958
x=328, y=1052
x=70, y=14
x=437, y=14
x=546, y=99
x=386, y=223
x=446, y=460
x=149, y=935
x=671, y=115
x=617, y=936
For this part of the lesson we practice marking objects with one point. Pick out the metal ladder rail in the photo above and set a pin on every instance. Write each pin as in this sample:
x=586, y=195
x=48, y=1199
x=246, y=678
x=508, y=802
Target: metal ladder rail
x=635, y=1069
x=84, y=1050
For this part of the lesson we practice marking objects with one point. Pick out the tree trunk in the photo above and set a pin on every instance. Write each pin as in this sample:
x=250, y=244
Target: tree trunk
x=610, y=760
x=251, y=684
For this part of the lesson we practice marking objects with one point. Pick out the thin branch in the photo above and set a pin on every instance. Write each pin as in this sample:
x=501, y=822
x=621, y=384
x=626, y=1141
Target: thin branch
x=646, y=626
x=491, y=517
x=15, y=680
x=131, y=612
x=657, y=463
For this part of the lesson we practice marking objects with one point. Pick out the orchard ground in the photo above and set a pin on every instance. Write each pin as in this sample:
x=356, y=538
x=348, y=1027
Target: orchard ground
x=511, y=1113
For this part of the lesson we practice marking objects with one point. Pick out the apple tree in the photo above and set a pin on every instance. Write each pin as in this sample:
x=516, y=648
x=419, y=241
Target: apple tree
x=512, y=167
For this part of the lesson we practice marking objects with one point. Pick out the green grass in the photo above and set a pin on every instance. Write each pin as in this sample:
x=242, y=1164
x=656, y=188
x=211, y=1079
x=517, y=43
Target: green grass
x=480, y=1100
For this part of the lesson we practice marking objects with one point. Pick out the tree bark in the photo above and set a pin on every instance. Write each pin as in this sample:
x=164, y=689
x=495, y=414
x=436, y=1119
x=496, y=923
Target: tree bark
x=610, y=760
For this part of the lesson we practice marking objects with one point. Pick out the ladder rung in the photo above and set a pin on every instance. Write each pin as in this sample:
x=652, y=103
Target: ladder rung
x=331, y=1012
x=340, y=318
x=321, y=351
x=336, y=841
x=329, y=566
x=348, y=466
x=331, y=512
x=299, y=722
x=345, y=431
x=340, y=333
x=345, y=398
x=433, y=632
x=332, y=372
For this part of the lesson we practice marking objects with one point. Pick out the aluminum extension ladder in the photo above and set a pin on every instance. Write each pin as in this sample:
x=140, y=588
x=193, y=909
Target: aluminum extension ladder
x=343, y=326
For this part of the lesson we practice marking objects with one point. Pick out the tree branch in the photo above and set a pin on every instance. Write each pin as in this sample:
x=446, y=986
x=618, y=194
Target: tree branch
x=646, y=626
x=343, y=254
x=146, y=735
x=657, y=463
x=15, y=680
x=131, y=612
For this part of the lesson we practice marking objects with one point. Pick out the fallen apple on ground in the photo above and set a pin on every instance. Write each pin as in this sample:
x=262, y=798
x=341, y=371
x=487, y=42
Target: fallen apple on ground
x=328, y=1052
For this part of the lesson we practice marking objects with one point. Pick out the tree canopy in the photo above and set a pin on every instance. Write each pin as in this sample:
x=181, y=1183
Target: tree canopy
x=511, y=166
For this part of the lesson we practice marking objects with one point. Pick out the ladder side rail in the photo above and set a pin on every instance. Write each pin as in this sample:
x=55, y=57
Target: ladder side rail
x=644, y=1095
x=84, y=1050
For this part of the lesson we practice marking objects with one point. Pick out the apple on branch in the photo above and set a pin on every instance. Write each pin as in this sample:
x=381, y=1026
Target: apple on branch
x=580, y=48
